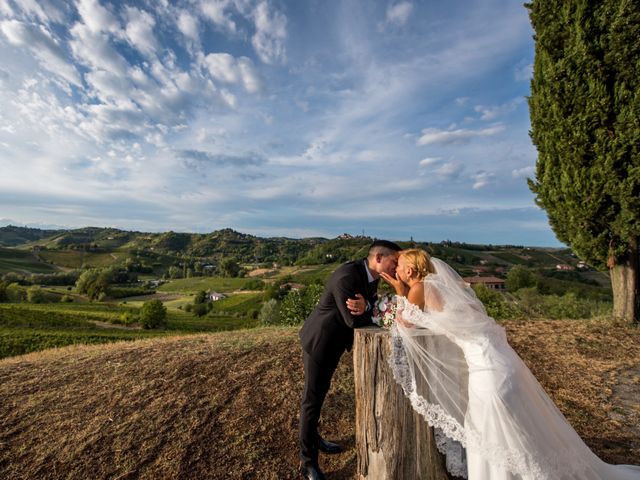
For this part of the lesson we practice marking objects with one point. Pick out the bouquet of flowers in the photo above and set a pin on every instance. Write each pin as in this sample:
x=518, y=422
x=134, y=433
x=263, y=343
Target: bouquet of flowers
x=384, y=311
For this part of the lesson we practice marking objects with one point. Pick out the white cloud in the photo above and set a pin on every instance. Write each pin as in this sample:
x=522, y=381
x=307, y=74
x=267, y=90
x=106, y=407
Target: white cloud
x=139, y=30
x=97, y=18
x=524, y=172
x=5, y=9
x=399, y=14
x=461, y=101
x=271, y=32
x=495, y=111
x=214, y=10
x=435, y=167
x=227, y=69
x=482, y=179
x=523, y=72
x=43, y=46
x=448, y=137
x=426, y=162
x=93, y=49
x=188, y=25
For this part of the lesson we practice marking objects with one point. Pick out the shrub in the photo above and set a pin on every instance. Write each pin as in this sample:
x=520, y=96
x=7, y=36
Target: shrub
x=66, y=299
x=200, y=309
x=15, y=293
x=298, y=304
x=153, y=314
x=200, y=297
x=126, y=318
x=520, y=277
x=270, y=312
x=35, y=295
x=494, y=303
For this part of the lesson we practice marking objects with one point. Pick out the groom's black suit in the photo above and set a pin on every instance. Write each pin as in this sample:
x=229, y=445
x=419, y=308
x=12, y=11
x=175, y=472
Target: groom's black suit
x=325, y=335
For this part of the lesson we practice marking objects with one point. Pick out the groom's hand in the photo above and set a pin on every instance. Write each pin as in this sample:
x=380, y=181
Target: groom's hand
x=358, y=305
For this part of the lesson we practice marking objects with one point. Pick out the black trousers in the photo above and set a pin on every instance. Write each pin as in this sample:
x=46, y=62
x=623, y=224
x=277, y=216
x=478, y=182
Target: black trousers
x=317, y=380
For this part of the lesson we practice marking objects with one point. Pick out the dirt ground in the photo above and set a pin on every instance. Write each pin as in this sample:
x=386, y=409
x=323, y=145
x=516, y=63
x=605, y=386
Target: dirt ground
x=225, y=405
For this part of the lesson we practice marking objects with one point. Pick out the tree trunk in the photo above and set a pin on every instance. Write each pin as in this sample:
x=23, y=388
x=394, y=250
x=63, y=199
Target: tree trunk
x=392, y=440
x=625, y=283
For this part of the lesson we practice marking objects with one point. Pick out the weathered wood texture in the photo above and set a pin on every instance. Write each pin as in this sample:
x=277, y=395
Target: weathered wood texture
x=392, y=441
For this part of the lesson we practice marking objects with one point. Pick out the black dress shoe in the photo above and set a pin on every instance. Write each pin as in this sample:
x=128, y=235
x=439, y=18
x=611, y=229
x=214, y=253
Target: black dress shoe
x=328, y=447
x=311, y=472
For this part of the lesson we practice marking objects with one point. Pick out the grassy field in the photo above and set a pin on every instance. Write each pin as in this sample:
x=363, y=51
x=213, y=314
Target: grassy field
x=79, y=259
x=13, y=260
x=28, y=328
x=195, y=284
x=225, y=405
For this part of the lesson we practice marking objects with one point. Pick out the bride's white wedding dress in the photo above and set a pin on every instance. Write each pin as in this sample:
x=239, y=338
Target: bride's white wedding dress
x=492, y=418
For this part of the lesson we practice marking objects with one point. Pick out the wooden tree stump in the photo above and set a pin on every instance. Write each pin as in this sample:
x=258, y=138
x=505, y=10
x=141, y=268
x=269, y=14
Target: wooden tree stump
x=392, y=440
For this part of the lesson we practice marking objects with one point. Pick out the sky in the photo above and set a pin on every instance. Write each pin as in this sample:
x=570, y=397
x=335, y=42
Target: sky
x=298, y=118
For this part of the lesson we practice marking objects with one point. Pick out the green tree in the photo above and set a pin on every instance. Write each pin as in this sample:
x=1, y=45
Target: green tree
x=94, y=282
x=520, y=277
x=585, y=124
x=229, y=267
x=15, y=293
x=35, y=294
x=153, y=314
x=200, y=297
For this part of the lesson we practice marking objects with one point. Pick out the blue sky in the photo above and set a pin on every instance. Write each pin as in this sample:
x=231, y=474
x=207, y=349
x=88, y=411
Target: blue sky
x=297, y=118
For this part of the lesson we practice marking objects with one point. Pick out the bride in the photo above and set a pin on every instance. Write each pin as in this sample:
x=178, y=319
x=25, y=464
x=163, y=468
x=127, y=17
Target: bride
x=492, y=418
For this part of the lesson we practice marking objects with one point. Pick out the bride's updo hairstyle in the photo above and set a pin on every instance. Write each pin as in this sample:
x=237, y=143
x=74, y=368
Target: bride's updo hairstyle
x=419, y=260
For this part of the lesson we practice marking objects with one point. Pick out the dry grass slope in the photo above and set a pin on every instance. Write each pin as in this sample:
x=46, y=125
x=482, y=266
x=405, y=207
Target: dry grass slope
x=225, y=405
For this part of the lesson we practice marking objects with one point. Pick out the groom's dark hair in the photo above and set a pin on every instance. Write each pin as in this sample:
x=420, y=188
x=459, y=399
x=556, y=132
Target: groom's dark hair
x=385, y=247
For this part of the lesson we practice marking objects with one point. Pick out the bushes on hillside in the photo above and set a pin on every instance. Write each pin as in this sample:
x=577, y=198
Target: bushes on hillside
x=520, y=277
x=494, y=303
x=298, y=304
x=270, y=312
x=153, y=314
x=35, y=295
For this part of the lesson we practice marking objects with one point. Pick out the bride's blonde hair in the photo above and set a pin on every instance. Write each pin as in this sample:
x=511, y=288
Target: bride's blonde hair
x=419, y=260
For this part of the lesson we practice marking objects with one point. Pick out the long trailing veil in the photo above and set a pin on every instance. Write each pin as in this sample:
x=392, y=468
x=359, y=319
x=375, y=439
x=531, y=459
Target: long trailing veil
x=460, y=374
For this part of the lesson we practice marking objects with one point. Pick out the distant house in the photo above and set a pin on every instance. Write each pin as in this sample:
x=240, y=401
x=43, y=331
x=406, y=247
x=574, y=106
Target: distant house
x=215, y=296
x=480, y=270
x=564, y=267
x=582, y=265
x=207, y=267
x=493, y=283
x=291, y=286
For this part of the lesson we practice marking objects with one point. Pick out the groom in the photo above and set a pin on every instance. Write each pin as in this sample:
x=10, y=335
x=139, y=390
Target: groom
x=346, y=303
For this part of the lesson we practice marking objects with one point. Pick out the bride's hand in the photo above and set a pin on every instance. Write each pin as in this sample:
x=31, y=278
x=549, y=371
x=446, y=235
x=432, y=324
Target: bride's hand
x=396, y=283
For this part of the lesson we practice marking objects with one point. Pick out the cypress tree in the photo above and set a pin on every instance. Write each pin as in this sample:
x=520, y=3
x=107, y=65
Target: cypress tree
x=585, y=124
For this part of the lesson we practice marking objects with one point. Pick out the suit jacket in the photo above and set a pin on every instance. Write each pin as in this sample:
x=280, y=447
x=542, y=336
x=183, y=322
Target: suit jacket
x=328, y=331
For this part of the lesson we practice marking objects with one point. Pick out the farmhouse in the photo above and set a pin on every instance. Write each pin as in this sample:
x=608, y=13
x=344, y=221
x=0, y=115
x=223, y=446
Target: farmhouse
x=215, y=296
x=493, y=283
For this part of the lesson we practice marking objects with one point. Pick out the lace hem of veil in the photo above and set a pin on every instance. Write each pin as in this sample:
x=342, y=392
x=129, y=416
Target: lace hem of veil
x=451, y=436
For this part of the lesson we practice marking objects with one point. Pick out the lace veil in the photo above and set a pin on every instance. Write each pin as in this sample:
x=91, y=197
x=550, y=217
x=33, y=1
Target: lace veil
x=428, y=362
